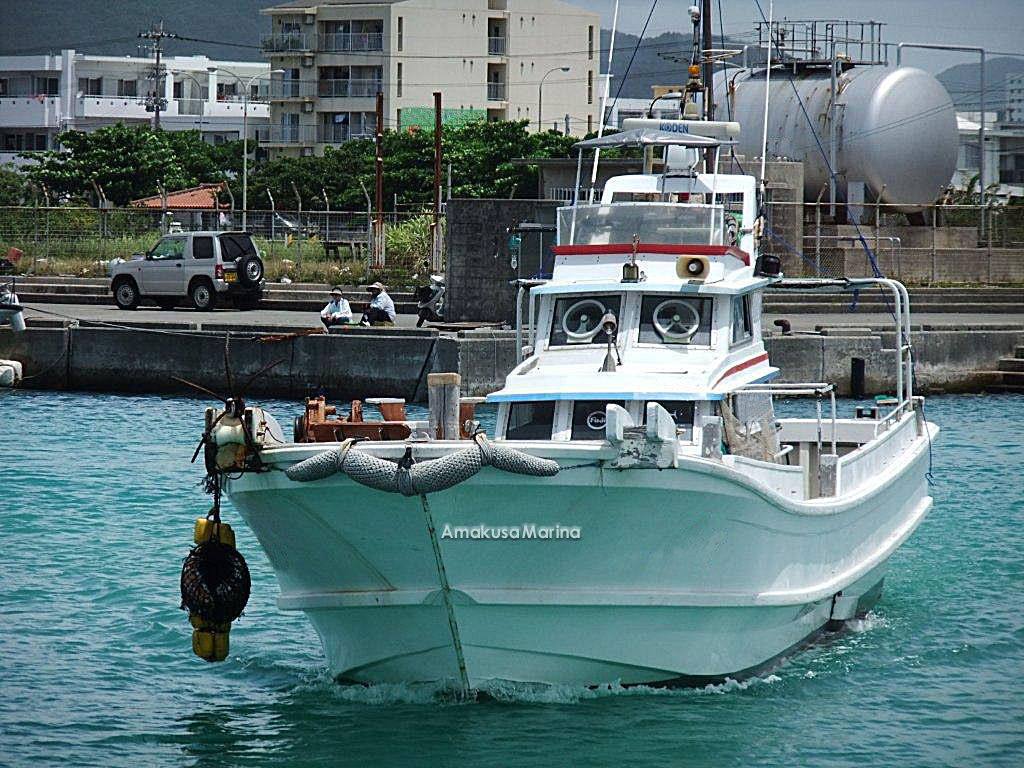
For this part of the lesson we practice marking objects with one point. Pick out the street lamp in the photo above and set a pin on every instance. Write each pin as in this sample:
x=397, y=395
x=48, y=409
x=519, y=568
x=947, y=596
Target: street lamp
x=245, y=136
x=540, y=94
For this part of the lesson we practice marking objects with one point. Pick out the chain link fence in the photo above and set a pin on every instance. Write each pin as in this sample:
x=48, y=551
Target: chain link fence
x=939, y=244
x=322, y=246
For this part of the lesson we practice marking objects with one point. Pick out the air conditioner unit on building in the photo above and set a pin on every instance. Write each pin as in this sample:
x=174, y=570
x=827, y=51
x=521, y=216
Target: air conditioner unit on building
x=307, y=106
x=307, y=151
x=307, y=61
x=310, y=18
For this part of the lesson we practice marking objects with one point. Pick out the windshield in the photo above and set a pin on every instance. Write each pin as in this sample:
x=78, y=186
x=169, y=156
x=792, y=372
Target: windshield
x=662, y=223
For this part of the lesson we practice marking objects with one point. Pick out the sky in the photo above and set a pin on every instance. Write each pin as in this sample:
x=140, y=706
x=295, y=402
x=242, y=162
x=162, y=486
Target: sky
x=997, y=25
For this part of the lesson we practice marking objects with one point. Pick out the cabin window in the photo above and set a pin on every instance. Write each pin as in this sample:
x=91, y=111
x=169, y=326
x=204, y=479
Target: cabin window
x=588, y=418
x=741, y=327
x=577, y=319
x=530, y=421
x=681, y=412
x=675, y=320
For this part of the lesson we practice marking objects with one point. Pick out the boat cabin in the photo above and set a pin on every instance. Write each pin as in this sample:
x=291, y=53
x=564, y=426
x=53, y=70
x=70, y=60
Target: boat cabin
x=654, y=297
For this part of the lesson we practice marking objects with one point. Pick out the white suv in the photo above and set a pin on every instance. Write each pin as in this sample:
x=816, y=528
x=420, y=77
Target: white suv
x=199, y=266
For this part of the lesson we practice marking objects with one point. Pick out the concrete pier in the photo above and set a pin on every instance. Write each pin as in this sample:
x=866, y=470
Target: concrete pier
x=394, y=362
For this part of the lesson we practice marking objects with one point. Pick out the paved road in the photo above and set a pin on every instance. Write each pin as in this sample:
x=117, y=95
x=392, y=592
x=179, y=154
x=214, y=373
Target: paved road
x=111, y=314
x=799, y=322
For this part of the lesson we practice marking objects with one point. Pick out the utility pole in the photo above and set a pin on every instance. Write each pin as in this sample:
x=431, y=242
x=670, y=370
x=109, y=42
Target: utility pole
x=155, y=101
x=379, y=168
x=436, y=260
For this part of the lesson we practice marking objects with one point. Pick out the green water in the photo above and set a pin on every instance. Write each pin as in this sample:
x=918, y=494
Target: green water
x=96, y=667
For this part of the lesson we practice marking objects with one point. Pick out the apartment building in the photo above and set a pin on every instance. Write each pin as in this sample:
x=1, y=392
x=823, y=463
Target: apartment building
x=43, y=95
x=490, y=59
x=1015, y=98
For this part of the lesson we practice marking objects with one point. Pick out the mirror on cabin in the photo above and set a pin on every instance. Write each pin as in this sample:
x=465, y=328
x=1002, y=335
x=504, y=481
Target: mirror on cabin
x=675, y=320
x=577, y=319
x=530, y=421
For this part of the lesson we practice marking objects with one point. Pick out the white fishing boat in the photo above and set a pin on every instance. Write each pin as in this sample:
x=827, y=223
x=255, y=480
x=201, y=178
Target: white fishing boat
x=641, y=514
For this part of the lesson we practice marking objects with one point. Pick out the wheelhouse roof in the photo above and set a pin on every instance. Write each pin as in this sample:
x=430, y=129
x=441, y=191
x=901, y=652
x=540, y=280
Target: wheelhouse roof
x=646, y=137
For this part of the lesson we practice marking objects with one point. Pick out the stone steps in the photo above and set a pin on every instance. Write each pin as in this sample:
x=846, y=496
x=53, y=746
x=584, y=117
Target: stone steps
x=1007, y=380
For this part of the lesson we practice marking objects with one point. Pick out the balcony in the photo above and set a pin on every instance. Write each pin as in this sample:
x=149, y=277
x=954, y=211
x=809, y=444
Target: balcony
x=335, y=89
x=342, y=42
x=290, y=42
x=287, y=134
x=496, y=91
x=496, y=46
x=34, y=111
x=283, y=90
x=338, y=134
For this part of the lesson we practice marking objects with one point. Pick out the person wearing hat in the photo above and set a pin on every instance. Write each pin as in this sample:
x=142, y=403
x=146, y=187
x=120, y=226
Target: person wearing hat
x=337, y=311
x=381, y=309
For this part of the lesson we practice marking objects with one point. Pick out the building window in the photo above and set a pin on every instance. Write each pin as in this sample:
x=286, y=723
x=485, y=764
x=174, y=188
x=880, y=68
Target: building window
x=401, y=33
x=399, y=80
x=398, y=119
x=178, y=89
x=590, y=42
x=46, y=86
x=128, y=88
x=3, y=87
x=590, y=86
x=90, y=86
x=590, y=123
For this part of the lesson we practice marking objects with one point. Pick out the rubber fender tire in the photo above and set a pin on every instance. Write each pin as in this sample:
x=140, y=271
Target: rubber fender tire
x=250, y=270
x=202, y=295
x=126, y=293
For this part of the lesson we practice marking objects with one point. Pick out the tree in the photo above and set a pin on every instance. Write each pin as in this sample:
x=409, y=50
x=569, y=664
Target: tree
x=13, y=186
x=481, y=155
x=128, y=163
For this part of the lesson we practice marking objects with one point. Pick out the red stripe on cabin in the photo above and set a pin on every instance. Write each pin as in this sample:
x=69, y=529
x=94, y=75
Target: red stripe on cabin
x=690, y=250
x=741, y=366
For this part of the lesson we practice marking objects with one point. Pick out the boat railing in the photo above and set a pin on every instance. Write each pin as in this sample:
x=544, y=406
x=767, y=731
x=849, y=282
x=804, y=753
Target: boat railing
x=901, y=315
x=816, y=389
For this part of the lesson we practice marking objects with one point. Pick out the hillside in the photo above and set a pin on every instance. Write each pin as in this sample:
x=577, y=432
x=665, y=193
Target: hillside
x=962, y=82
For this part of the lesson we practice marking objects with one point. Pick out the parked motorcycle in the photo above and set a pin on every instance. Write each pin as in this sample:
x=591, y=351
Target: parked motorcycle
x=430, y=301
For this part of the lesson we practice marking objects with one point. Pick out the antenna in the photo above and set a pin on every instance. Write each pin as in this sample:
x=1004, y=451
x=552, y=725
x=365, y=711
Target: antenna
x=767, y=82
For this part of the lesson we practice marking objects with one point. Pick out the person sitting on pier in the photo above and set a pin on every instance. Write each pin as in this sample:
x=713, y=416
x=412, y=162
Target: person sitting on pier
x=381, y=310
x=337, y=311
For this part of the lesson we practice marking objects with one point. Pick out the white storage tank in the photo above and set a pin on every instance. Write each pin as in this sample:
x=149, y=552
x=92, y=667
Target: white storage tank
x=895, y=129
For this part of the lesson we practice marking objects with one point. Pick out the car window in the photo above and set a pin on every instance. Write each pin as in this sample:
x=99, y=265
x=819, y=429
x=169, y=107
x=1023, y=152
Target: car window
x=202, y=247
x=169, y=248
x=530, y=421
x=675, y=320
x=577, y=319
x=234, y=244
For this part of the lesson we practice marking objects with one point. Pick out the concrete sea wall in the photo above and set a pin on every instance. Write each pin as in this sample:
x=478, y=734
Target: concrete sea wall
x=359, y=363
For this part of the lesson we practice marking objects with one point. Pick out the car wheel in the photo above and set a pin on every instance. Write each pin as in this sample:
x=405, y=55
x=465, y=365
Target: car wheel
x=126, y=294
x=250, y=270
x=202, y=295
x=167, y=303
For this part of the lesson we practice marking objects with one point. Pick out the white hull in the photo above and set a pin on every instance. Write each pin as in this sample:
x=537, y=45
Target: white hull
x=700, y=572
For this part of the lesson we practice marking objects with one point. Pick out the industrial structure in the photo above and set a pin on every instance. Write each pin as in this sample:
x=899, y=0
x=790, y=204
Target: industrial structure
x=43, y=95
x=535, y=60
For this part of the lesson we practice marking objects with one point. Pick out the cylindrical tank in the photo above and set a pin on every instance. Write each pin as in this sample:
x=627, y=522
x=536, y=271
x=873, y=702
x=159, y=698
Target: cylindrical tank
x=895, y=129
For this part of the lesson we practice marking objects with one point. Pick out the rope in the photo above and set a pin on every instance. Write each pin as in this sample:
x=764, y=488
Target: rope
x=442, y=577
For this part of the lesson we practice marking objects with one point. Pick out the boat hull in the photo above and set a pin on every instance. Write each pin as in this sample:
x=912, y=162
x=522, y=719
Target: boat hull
x=688, y=574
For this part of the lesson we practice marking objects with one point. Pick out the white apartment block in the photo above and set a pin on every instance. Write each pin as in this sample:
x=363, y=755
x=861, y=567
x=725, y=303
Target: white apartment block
x=43, y=95
x=488, y=58
x=1015, y=98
